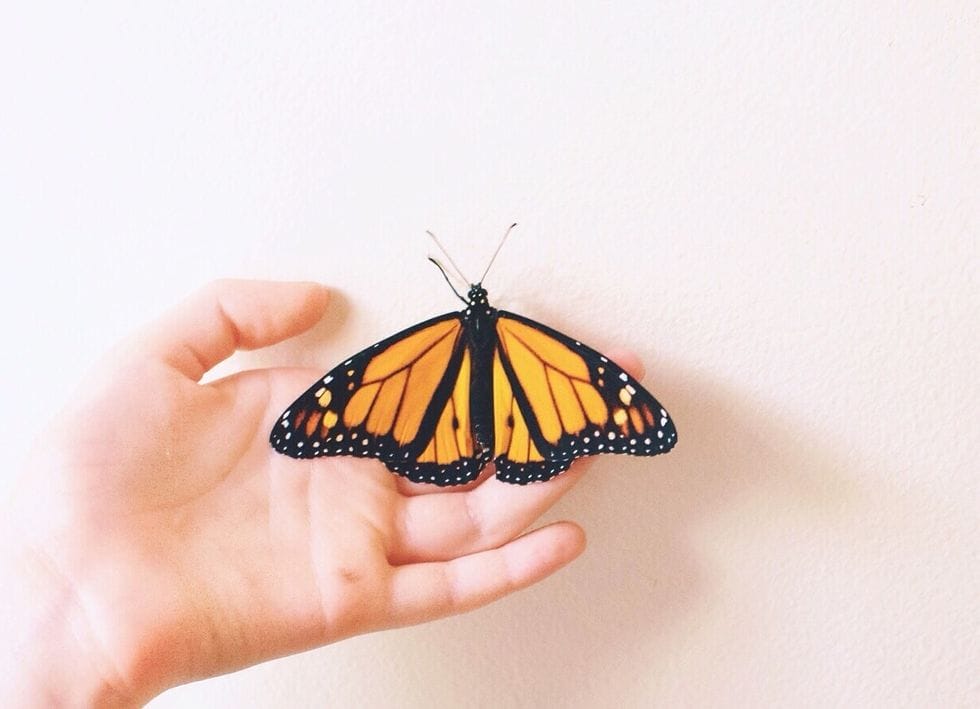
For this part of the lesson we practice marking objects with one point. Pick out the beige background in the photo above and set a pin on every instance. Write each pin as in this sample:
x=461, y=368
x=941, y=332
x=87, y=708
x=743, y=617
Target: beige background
x=777, y=208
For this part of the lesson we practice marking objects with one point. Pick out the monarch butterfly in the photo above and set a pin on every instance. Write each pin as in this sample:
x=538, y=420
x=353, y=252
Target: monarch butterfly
x=439, y=400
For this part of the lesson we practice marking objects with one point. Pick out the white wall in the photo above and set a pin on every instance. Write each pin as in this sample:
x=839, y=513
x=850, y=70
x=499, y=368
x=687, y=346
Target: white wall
x=777, y=208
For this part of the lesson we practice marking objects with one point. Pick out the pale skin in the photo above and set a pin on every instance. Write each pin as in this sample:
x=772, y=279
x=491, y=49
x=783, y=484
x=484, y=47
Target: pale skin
x=156, y=538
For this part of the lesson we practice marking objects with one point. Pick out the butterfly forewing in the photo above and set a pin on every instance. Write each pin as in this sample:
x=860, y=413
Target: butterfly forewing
x=556, y=400
x=400, y=401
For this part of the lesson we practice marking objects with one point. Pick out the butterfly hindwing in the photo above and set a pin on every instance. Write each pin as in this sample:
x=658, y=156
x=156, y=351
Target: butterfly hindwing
x=450, y=455
x=556, y=399
x=403, y=400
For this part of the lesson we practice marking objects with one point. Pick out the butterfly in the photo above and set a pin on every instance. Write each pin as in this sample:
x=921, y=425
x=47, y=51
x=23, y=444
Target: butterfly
x=438, y=401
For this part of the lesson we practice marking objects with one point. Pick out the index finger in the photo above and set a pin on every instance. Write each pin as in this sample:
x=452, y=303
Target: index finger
x=228, y=315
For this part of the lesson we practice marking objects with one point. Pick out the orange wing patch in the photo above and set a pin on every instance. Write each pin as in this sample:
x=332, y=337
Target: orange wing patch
x=452, y=439
x=409, y=350
x=511, y=436
x=399, y=383
x=554, y=378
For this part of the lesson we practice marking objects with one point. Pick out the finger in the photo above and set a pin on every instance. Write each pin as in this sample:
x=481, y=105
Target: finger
x=434, y=527
x=421, y=592
x=630, y=362
x=228, y=315
x=441, y=527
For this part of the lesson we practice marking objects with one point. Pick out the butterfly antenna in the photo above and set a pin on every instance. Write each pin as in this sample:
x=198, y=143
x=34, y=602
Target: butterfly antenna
x=499, y=247
x=446, y=276
x=452, y=263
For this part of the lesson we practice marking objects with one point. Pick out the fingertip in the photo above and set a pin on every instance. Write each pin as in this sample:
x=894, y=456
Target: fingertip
x=572, y=541
x=266, y=312
x=311, y=300
x=629, y=361
x=310, y=297
x=318, y=295
x=542, y=552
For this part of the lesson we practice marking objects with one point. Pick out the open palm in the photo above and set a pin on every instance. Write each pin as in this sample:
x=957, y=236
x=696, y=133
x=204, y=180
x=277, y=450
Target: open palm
x=185, y=547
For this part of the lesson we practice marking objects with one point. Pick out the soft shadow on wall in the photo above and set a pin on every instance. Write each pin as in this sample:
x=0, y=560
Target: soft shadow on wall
x=571, y=637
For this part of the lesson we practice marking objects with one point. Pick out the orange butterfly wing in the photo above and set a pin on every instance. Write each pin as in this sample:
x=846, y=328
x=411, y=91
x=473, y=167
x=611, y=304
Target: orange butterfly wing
x=556, y=399
x=404, y=401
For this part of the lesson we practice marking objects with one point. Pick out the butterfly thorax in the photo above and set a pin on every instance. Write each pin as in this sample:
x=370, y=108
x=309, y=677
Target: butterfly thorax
x=479, y=318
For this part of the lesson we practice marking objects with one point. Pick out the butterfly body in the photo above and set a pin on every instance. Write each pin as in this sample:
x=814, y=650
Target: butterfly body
x=478, y=323
x=438, y=401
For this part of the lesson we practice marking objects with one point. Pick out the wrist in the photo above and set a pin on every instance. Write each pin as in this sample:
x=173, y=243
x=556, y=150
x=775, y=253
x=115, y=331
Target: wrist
x=50, y=655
